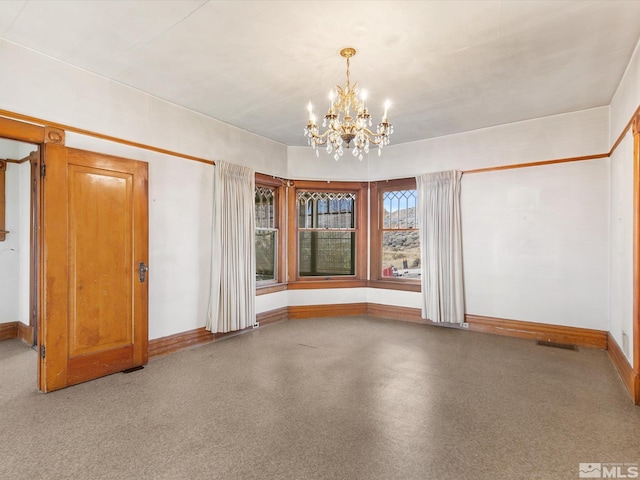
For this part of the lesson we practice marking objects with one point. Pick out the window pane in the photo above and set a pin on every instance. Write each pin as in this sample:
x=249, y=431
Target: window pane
x=265, y=212
x=266, y=246
x=399, y=209
x=401, y=254
x=326, y=253
x=326, y=210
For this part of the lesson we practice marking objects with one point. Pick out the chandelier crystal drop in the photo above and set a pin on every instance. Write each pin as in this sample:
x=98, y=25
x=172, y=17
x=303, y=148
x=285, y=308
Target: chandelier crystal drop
x=341, y=127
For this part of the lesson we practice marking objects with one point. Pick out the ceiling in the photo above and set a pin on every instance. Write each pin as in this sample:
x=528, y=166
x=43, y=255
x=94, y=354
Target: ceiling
x=446, y=66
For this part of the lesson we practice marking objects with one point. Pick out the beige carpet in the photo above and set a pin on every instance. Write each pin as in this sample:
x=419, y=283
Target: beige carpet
x=335, y=398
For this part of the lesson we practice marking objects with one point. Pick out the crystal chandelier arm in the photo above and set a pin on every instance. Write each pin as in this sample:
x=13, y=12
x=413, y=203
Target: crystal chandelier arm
x=318, y=139
x=375, y=138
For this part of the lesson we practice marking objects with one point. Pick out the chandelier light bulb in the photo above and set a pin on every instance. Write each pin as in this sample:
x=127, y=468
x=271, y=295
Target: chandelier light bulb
x=310, y=108
x=387, y=104
x=363, y=96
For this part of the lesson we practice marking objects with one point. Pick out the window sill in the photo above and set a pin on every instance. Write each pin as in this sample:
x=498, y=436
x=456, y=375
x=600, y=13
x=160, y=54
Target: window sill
x=329, y=283
x=406, y=285
x=270, y=288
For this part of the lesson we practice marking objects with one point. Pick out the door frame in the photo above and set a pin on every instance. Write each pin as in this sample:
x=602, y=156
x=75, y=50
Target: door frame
x=39, y=136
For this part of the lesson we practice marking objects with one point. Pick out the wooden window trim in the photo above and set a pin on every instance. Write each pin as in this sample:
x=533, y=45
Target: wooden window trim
x=377, y=280
x=359, y=279
x=280, y=186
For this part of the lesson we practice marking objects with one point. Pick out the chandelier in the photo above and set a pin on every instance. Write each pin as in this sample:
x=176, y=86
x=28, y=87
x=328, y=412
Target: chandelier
x=343, y=128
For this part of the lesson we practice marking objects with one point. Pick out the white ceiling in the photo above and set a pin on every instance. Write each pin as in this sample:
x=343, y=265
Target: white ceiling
x=446, y=66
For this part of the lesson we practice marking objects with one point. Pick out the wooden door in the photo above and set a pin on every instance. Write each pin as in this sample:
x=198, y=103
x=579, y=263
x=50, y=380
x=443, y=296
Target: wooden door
x=95, y=234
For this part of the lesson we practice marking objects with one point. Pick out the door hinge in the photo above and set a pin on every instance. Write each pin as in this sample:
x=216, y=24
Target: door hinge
x=43, y=169
x=43, y=351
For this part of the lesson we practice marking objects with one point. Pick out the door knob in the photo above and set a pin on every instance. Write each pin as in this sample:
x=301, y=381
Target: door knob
x=142, y=271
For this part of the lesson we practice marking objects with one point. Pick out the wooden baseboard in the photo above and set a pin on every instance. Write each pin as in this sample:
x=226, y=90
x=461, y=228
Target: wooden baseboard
x=333, y=310
x=8, y=330
x=630, y=378
x=200, y=336
x=538, y=331
x=406, y=314
x=25, y=333
x=272, y=316
x=179, y=341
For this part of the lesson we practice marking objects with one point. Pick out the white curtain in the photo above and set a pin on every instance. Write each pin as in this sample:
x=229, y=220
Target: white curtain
x=441, y=246
x=233, y=278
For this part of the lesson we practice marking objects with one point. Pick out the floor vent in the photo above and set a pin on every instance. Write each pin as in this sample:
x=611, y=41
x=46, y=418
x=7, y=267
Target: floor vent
x=565, y=346
x=133, y=369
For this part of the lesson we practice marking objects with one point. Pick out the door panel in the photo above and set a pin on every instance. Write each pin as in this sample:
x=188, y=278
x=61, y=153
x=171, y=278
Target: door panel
x=95, y=309
x=100, y=259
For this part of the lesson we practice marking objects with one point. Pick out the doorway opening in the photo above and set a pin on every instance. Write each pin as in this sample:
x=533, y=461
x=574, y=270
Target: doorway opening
x=19, y=232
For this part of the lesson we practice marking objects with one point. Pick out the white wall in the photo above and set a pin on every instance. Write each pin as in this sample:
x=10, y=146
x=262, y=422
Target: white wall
x=180, y=191
x=304, y=165
x=46, y=88
x=10, y=248
x=623, y=105
x=621, y=248
x=535, y=243
x=24, y=247
x=559, y=136
x=627, y=97
x=540, y=269
x=15, y=250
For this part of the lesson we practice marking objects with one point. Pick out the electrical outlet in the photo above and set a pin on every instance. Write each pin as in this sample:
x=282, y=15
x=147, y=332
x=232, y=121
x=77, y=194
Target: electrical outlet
x=464, y=325
x=256, y=325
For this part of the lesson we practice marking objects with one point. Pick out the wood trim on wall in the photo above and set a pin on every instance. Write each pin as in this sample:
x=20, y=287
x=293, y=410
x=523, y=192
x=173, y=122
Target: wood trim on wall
x=36, y=138
x=272, y=316
x=159, y=347
x=36, y=135
x=629, y=377
x=319, y=283
x=19, y=130
x=585, y=337
x=537, y=164
x=636, y=254
x=271, y=288
x=19, y=330
x=180, y=341
x=25, y=333
x=298, y=312
x=393, y=312
x=8, y=330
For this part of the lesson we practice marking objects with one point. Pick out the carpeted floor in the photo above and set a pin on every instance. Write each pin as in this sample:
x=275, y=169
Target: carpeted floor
x=331, y=398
